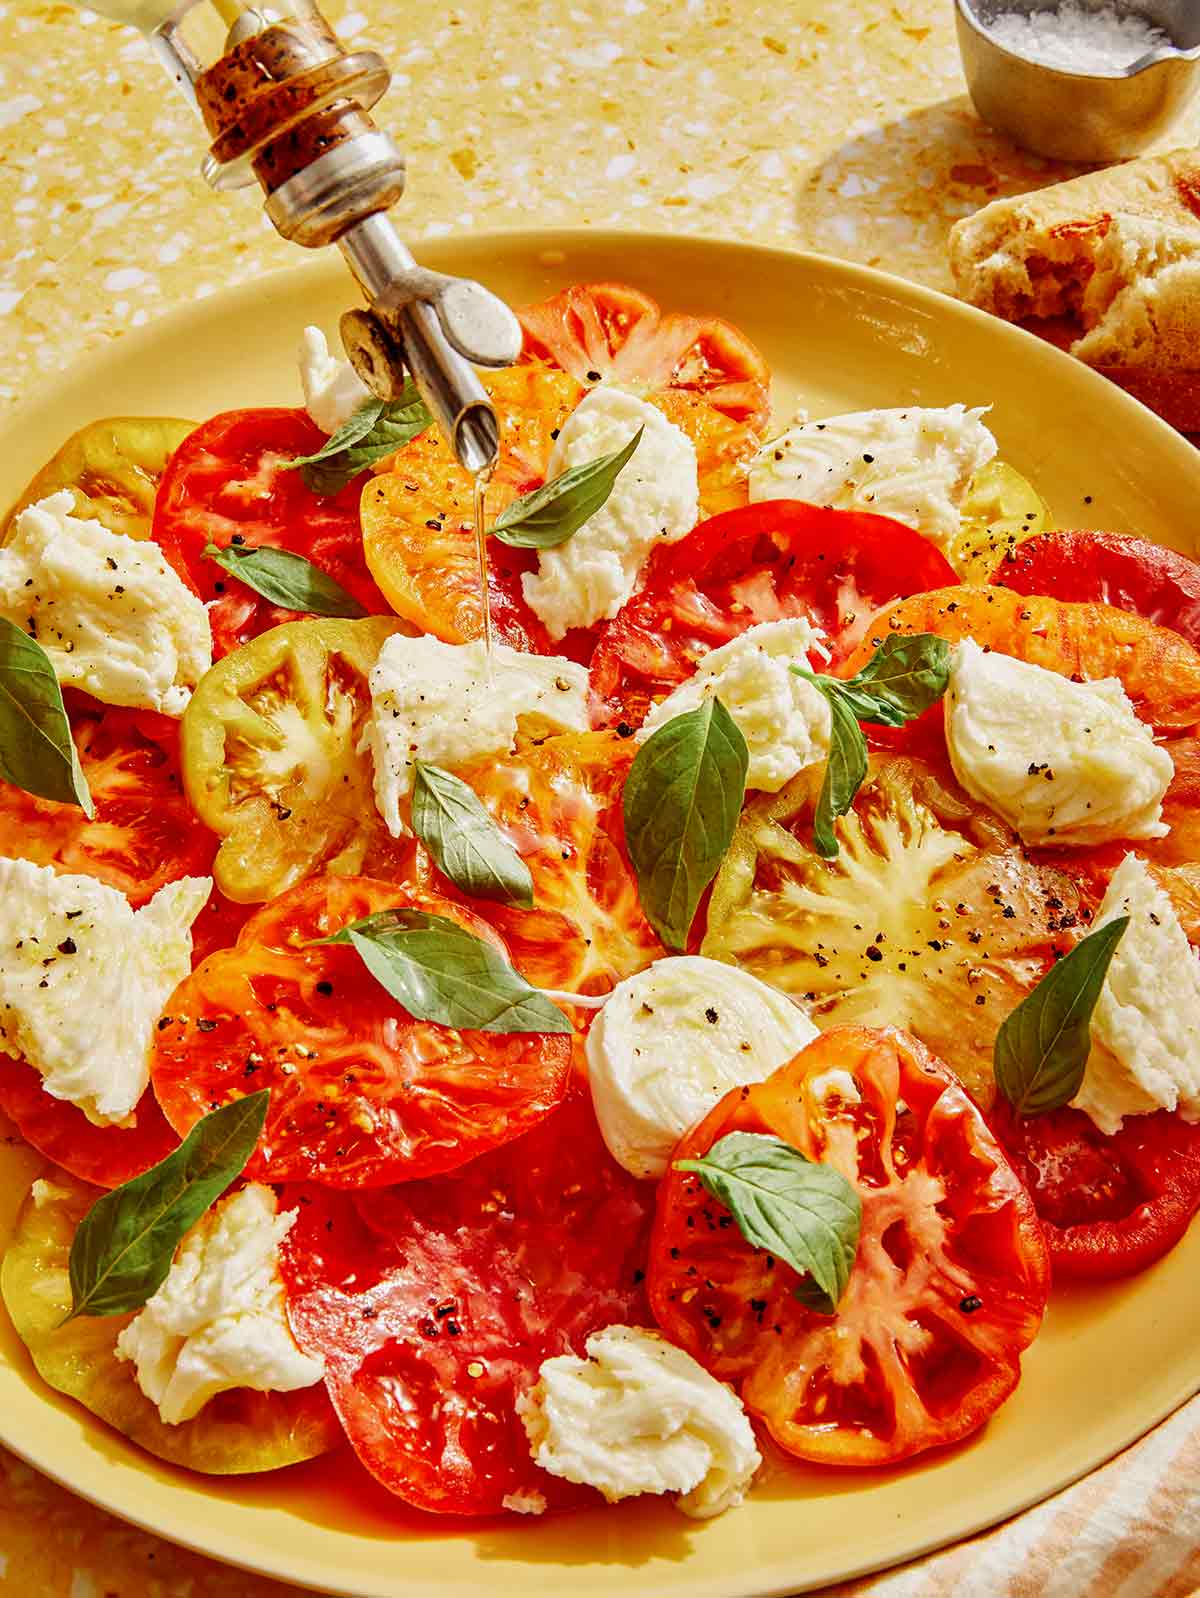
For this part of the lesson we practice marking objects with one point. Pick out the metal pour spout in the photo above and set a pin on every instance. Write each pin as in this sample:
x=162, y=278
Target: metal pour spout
x=285, y=105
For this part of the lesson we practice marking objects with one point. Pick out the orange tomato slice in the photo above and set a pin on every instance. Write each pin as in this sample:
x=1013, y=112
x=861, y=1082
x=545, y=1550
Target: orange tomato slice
x=1159, y=670
x=418, y=515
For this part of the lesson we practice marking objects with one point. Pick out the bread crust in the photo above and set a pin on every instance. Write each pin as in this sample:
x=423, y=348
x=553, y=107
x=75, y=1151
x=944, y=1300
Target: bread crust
x=1117, y=253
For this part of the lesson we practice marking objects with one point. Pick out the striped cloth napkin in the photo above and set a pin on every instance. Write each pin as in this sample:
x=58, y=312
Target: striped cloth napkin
x=1129, y=1530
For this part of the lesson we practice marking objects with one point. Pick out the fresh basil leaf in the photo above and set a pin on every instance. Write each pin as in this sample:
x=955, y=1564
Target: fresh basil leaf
x=550, y=514
x=682, y=799
x=352, y=430
x=125, y=1243
x=376, y=429
x=1041, y=1049
x=466, y=844
x=441, y=972
x=905, y=675
x=845, y=770
x=802, y=1212
x=286, y=579
x=37, y=753
x=901, y=680
x=862, y=704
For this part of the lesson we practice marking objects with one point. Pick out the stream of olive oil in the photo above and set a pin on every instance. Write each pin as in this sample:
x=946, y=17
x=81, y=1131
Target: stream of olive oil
x=482, y=479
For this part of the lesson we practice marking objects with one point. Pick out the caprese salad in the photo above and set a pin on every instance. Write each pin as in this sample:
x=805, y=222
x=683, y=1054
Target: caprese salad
x=713, y=1011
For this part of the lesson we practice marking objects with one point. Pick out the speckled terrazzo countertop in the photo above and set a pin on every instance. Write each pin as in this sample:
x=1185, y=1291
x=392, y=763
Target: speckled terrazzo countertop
x=835, y=127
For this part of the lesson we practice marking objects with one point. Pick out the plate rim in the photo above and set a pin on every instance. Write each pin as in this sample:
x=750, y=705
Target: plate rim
x=129, y=345
x=132, y=340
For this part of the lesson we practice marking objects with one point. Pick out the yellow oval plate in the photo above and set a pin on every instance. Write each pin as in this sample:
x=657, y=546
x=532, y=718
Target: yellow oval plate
x=1109, y=1363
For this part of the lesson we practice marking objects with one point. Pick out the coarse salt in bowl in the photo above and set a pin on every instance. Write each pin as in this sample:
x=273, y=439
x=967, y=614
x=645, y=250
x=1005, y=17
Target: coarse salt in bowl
x=1081, y=80
x=1074, y=38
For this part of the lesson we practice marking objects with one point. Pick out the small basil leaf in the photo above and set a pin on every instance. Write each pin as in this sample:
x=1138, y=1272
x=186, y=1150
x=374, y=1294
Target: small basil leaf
x=377, y=429
x=286, y=579
x=845, y=770
x=441, y=972
x=802, y=1212
x=125, y=1243
x=1041, y=1049
x=863, y=705
x=37, y=752
x=682, y=799
x=550, y=514
x=901, y=680
x=464, y=841
x=353, y=429
x=905, y=675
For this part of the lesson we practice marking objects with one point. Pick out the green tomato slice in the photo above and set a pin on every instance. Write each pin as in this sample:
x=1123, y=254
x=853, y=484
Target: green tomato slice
x=272, y=758
x=233, y=1434
x=1001, y=510
x=113, y=469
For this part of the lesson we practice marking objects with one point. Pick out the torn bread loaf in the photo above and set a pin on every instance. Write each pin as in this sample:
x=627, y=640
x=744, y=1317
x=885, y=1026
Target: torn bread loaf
x=1116, y=253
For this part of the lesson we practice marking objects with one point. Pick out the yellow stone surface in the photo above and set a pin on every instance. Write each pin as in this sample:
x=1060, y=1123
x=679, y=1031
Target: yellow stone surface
x=838, y=127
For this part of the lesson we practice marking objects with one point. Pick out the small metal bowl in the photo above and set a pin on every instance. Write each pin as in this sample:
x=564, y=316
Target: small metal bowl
x=1081, y=116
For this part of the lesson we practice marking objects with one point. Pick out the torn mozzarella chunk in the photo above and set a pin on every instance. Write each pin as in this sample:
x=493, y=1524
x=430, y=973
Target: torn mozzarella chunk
x=1062, y=762
x=447, y=704
x=638, y=1415
x=784, y=719
x=671, y=1041
x=333, y=390
x=655, y=500
x=913, y=465
x=219, y=1321
x=111, y=614
x=1146, y=1025
x=84, y=978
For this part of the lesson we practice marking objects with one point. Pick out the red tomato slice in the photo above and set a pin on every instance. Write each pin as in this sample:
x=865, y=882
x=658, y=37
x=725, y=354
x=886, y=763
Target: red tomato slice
x=949, y=1285
x=1112, y=568
x=434, y=1305
x=226, y=481
x=608, y=330
x=1110, y=1205
x=361, y=1094
x=559, y=805
x=218, y=925
x=104, y=1155
x=758, y=563
x=144, y=834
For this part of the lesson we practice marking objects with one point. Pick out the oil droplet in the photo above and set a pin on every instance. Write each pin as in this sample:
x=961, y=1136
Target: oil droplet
x=482, y=479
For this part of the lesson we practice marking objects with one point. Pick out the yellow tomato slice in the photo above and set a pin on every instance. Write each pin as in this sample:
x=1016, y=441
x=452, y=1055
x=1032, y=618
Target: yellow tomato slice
x=1001, y=510
x=418, y=517
x=930, y=919
x=234, y=1433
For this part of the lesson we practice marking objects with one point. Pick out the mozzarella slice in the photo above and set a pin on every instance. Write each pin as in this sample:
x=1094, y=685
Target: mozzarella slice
x=783, y=718
x=671, y=1041
x=1062, y=762
x=638, y=1415
x=84, y=978
x=914, y=465
x=333, y=390
x=450, y=703
x=1146, y=1024
x=655, y=500
x=219, y=1322
x=108, y=610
